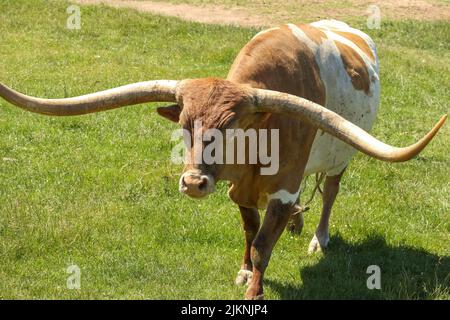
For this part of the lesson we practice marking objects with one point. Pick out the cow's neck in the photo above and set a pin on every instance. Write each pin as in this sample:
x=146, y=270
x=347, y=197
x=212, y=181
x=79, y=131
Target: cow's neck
x=249, y=188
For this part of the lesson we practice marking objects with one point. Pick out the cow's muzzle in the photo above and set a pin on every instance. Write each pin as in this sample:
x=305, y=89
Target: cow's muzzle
x=196, y=185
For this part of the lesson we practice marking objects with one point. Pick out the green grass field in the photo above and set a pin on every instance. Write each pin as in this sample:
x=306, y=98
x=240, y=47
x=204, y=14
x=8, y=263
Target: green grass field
x=100, y=192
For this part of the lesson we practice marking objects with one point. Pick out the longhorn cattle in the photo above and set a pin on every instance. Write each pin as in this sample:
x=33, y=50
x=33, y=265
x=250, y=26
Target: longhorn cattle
x=317, y=83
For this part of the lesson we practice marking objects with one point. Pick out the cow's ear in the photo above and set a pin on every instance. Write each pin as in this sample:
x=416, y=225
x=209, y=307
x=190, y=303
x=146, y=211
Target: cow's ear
x=170, y=112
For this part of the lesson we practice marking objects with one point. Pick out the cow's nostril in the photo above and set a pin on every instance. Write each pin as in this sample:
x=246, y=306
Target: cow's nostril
x=203, y=184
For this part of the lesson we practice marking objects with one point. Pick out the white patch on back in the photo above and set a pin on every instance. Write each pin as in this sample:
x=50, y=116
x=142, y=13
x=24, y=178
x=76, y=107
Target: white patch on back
x=330, y=23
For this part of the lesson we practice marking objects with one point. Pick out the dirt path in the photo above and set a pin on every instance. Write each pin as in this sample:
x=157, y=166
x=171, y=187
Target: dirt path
x=260, y=13
x=213, y=14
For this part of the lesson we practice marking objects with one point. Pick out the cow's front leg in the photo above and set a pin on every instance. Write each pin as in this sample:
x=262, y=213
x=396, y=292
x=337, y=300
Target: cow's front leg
x=274, y=223
x=250, y=223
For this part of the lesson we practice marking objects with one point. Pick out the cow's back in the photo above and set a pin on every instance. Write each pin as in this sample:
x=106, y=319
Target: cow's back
x=326, y=62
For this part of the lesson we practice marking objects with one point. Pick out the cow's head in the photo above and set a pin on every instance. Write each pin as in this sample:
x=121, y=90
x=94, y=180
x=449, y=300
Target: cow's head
x=205, y=107
x=218, y=104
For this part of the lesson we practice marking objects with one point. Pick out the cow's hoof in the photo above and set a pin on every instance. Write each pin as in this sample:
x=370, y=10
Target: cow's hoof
x=318, y=244
x=254, y=292
x=258, y=297
x=295, y=224
x=244, y=277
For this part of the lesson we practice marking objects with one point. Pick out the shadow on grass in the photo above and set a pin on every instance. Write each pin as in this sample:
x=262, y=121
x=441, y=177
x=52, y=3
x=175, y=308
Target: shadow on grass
x=406, y=273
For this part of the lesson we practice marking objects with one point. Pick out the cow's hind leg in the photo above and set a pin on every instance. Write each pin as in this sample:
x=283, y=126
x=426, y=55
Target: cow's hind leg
x=330, y=191
x=295, y=224
x=250, y=223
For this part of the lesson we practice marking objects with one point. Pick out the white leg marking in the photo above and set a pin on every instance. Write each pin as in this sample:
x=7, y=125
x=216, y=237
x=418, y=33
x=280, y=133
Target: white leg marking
x=318, y=243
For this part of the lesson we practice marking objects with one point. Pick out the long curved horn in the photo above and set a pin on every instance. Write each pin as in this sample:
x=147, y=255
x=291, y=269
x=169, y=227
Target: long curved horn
x=334, y=124
x=150, y=91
